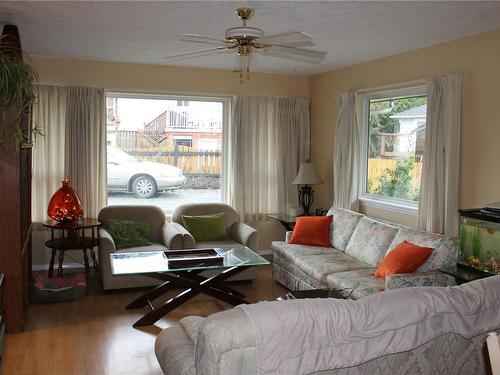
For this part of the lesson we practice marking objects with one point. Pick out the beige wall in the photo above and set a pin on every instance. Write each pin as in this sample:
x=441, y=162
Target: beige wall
x=162, y=79
x=478, y=58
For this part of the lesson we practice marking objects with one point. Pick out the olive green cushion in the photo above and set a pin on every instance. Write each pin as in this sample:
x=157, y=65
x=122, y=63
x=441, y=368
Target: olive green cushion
x=206, y=227
x=128, y=233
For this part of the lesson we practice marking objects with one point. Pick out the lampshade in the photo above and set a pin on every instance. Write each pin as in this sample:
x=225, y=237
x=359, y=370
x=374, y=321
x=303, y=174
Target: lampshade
x=307, y=175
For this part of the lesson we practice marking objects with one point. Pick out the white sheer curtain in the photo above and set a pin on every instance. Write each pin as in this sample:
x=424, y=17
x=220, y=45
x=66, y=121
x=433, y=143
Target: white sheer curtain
x=439, y=191
x=73, y=147
x=49, y=115
x=264, y=144
x=86, y=146
x=346, y=155
x=293, y=146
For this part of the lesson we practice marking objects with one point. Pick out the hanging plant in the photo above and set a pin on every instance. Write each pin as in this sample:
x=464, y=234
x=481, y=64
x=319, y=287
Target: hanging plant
x=16, y=92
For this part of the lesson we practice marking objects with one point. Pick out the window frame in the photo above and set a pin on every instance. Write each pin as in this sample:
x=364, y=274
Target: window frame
x=226, y=101
x=369, y=200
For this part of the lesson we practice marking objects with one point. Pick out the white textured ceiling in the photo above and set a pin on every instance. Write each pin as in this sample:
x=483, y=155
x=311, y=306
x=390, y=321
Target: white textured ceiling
x=145, y=32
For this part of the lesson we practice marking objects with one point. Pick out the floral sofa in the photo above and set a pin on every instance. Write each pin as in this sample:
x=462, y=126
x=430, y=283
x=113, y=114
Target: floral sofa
x=358, y=244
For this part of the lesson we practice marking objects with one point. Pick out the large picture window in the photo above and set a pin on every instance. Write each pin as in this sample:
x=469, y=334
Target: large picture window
x=394, y=134
x=164, y=150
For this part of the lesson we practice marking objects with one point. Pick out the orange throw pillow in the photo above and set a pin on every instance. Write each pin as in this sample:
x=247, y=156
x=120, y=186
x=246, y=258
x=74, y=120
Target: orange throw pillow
x=405, y=258
x=312, y=231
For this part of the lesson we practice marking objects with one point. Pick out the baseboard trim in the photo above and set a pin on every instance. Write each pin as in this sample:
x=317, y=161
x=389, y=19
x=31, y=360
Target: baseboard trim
x=66, y=266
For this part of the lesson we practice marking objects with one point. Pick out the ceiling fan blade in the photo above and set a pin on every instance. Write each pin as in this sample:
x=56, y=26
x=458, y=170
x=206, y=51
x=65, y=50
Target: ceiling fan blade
x=297, y=44
x=201, y=52
x=300, y=54
x=202, y=39
x=286, y=38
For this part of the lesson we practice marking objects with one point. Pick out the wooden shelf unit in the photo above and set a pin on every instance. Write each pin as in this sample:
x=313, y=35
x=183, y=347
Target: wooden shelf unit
x=15, y=220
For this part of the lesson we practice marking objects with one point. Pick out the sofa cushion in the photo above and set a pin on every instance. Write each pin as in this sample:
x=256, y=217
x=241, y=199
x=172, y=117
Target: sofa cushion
x=320, y=266
x=155, y=246
x=288, y=274
x=370, y=241
x=444, y=255
x=361, y=282
x=214, y=244
x=291, y=251
x=312, y=230
x=343, y=224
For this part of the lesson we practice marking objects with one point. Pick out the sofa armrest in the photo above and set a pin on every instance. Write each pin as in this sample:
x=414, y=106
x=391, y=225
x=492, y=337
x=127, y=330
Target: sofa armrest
x=226, y=344
x=171, y=236
x=188, y=241
x=245, y=234
x=429, y=278
x=106, y=248
x=106, y=243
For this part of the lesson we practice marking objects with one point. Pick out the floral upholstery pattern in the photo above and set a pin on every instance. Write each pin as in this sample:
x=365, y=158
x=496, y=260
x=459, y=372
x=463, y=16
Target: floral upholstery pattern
x=288, y=274
x=430, y=278
x=320, y=266
x=370, y=241
x=343, y=224
x=444, y=256
x=357, y=283
x=291, y=251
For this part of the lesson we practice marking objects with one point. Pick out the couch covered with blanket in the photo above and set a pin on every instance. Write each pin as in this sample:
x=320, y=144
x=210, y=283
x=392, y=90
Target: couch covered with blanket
x=420, y=331
x=358, y=245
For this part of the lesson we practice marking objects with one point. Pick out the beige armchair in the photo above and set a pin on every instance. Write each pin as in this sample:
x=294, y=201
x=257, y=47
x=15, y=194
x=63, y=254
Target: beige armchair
x=159, y=232
x=238, y=233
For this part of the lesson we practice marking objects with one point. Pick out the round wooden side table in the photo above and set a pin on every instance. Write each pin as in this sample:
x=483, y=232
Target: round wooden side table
x=73, y=236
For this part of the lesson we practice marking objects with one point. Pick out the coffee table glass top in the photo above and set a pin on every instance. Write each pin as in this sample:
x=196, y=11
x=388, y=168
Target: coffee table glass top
x=156, y=261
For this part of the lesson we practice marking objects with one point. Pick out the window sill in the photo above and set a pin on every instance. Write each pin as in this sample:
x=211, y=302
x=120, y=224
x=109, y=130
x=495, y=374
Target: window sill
x=388, y=205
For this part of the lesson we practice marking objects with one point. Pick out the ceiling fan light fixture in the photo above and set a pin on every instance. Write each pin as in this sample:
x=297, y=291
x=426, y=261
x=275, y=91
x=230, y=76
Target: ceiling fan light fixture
x=244, y=33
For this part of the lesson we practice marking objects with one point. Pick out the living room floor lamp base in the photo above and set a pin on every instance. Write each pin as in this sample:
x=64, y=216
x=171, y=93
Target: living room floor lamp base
x=306, y=177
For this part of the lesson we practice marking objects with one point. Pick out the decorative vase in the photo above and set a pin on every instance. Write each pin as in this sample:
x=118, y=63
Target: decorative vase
x=65, y=206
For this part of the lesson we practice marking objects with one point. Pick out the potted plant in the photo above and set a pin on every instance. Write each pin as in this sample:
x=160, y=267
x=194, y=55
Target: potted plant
x=16, y=89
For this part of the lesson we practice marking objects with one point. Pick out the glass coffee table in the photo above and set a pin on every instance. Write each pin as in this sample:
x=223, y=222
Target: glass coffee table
x=155, y=264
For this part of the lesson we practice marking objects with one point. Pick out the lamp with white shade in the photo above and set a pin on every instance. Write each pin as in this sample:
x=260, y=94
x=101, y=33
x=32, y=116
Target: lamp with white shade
x=306, y=177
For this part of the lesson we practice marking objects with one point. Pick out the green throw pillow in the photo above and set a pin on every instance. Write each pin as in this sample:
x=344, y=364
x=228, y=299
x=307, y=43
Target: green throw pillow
x=128, y=233
x=206, y=227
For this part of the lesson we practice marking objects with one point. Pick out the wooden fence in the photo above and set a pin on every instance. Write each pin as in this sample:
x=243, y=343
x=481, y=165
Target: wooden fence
x=376, y=167
x=191, y=162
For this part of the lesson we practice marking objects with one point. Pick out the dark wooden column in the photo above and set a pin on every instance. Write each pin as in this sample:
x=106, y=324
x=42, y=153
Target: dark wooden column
x=15, y=211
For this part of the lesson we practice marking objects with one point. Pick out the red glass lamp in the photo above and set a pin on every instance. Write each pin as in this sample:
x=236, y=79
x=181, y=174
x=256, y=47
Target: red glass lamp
x=65, y=206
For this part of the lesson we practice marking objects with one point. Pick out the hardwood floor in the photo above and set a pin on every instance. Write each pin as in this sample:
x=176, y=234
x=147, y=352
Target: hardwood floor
x=94, y=335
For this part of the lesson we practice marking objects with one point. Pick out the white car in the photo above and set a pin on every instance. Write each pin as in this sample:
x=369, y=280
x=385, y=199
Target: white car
x=143, y=178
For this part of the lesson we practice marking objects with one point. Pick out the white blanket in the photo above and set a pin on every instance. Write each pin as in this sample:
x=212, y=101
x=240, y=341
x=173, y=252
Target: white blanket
x=305, y=336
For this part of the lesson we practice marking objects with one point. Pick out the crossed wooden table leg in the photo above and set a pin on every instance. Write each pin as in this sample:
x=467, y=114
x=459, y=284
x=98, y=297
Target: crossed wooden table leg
x=194, y=283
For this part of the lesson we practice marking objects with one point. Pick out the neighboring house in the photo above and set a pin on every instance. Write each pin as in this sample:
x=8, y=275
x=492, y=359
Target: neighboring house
x=173, y=127
x=411, y=133
x=177, y=128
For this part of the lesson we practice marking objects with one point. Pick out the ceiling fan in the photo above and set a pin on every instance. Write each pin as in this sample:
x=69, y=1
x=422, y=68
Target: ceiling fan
x=244, y=40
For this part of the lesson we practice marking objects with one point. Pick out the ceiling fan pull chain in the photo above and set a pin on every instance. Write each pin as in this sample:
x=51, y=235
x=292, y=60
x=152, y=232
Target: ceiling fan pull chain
x=241, y=69
x=249, y=57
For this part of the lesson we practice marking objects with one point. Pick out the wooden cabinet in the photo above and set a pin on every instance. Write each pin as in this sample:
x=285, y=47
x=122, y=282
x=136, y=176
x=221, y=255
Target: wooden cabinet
x=15, y=225
x=2, y=327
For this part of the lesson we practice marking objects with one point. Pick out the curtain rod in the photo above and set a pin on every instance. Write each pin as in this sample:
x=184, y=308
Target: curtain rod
x=393, y=86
